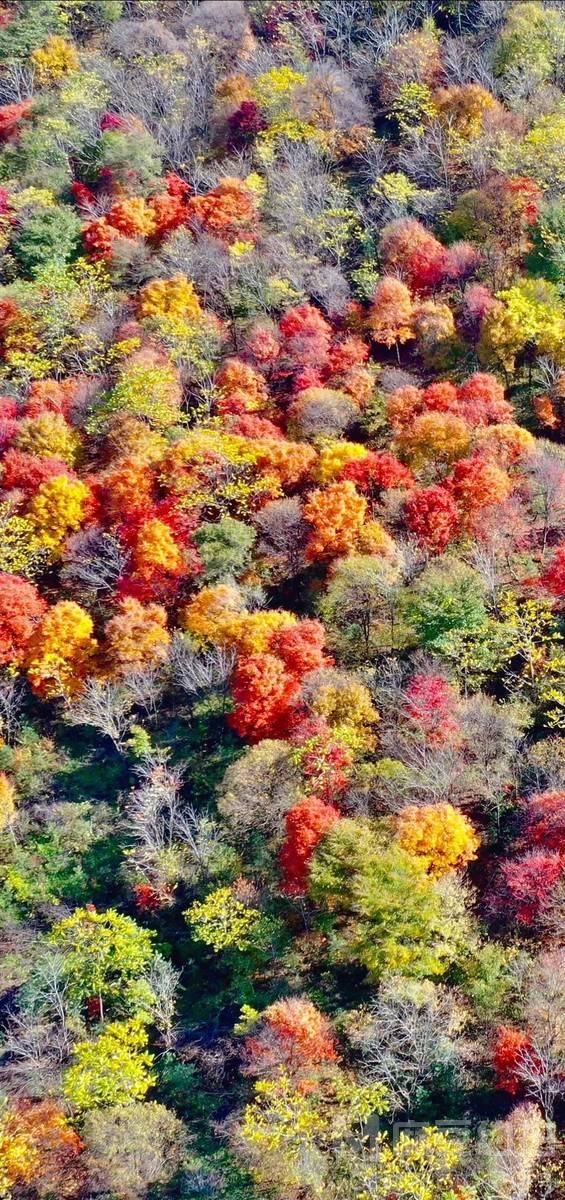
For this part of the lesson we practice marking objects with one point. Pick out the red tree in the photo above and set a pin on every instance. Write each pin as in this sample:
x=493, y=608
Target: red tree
x=377, y=472
x=481, y=400
x=477, y=482
x=527, y=884
x=307, y=337
x=545, y=821
x=461, y=260
x=244, y=124
x=390, y=316
x=10, y=117
x=441, y=397
x=323, y=760
x=170, y=208
x=8, y=421
x=509, y=1049
x=432, y=514
x=28, y=471
x=430, y=702
x=554, y=577
x=226, y=212
x=306, y=825
x=350, y=352
x=415, y=253
x=266, y=698
x=477, y=303
x=21, y=608
x=301, y=647
x=54, y=1149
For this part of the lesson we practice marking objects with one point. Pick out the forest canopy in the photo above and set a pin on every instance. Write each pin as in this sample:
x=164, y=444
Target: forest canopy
x=282, y=597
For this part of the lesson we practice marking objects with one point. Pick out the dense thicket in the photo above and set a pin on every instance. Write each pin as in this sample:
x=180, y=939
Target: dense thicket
x=282, y=575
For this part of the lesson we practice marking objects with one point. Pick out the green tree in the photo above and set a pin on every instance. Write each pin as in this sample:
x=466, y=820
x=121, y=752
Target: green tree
x=360, y=605
x=48, y=235
x=533, y=39
x=384, y=911
x=131, y=1147
x=448, y=596
x=112, y=1069
x=133, y=158
x=225, y=547
x=86, y=16
x=547, y=255
x=34, y=22
x=37, y=159
x=105, y=955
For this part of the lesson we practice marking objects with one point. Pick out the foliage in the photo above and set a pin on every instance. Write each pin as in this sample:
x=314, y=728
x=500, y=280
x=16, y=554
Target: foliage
x=283, y=1121
x=439, y=836
x=38, y=1147
x=132, y=1147
x=336, y=515
x=390, y=318
x=115, y=1068
x=60, y=650
x=419, y=1169
x=388, y=916
x=446, y=598
x=49, y=234
x=136, y=636
x=282, y=679
x=222, y=921
x=104, y=953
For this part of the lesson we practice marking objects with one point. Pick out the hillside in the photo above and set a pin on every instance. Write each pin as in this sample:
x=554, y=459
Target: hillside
x=282, y=594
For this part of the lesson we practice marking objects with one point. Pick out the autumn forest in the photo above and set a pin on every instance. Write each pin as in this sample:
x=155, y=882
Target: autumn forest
x=282, y=599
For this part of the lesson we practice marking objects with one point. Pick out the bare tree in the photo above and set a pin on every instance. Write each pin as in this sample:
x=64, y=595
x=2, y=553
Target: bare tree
x=200, y=672
x=427, y=159
x=258, y=789
x=177, y=108
x=38, y=1039
x=48, y=990
x=381, y=36
x=17, y=83
x=284, y=534
x=145, y=687
x=104, y=705
x=374, y=160
x=302, y=197
x=477, y=771
x=154, y=806
x=541, y=1062
x=547, y=475
x=465, y=62
x=329, y=287
x=94, y=561
x=33, y=1056
x=344, y=24
x=11, y=700
x=506, y=1155
x=161, y=821
x=412, y=1029
x=493, y=740
x=141, y=39
x=164, y=980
